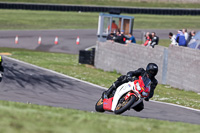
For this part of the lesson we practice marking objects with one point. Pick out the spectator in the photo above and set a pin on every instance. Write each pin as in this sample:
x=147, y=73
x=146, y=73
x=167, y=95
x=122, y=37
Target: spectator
x=191, y=36
x=180, y=38
x=117, y=34
x=173, y=39
x=148, y=39
x=121, y=38
x=185, y=33
x=114, y=27
x=110, y=36
x=131, y=39
x=155, y=40
x=146, y=35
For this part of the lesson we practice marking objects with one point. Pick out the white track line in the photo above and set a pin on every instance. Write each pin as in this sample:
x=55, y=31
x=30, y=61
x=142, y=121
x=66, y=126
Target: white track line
x=92, y=83
x=90, y=47
x=176, y=105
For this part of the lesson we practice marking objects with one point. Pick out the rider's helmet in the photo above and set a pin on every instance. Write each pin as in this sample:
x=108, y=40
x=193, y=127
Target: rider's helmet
x=152, y=70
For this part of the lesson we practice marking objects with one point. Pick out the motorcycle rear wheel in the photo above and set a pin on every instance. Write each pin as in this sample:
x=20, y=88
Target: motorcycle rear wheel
x=99, y=106
x=125, y=105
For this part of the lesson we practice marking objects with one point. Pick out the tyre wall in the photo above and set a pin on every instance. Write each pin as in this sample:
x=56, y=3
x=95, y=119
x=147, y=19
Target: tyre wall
x=134, y=10
x=178, y=66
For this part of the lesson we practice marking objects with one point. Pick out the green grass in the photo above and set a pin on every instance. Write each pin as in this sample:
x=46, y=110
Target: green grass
x=25, y=19
x=68, y=64
x=129, y=3
x=29, y=118
x=22, y=19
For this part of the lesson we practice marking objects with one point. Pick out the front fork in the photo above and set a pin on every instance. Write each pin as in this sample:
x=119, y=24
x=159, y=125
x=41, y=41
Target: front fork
x=130, y=94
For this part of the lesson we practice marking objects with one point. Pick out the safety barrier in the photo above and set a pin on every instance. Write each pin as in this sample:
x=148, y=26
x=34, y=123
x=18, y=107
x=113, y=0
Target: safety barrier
x=51, y=7
x=87, y=57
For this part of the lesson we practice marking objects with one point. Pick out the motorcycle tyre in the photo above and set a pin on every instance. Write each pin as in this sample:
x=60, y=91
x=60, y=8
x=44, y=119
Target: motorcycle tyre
x=126, y=107
x=99, y=108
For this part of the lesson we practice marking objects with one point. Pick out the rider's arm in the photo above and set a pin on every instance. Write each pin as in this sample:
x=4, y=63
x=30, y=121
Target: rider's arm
x=153, y=86
x=135, y=73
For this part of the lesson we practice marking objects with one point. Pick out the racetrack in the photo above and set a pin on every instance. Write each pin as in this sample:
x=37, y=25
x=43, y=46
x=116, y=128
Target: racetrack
x=27, y=83
x=23, y=82
x=28, y=39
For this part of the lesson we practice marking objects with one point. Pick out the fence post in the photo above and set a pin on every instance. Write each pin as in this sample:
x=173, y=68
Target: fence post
x=165, y=64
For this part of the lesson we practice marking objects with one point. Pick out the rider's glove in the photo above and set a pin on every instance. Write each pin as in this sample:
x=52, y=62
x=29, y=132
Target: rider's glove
x=129, y=78
x=144, y=94
x=146, y=99
x=104, y=95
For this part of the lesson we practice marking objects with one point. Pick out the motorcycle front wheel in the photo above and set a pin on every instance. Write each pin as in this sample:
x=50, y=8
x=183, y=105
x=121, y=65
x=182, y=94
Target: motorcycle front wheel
x=99, y=106
x=124, y=105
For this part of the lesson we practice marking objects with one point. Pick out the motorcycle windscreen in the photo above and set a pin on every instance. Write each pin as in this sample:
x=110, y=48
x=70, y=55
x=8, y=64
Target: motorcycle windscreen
x=146, y=80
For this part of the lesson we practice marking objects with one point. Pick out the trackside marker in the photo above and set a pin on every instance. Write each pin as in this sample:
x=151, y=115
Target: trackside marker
x=56, y=40
x=16, y=39
x=39, y=40
x=78, y=40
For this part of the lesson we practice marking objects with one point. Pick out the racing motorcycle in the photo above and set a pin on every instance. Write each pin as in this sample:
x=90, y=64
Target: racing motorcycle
x=126, y=96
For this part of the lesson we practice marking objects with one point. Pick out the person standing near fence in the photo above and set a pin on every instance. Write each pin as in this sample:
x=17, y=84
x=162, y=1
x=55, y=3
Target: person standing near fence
x=155, y=40
x=131, y=39
x=180, y=38
x=172, y=38
x=148, y=39
x=185, y=33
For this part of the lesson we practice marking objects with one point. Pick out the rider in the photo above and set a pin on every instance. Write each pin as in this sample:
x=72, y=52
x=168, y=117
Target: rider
x=151, y=71
x=1, y=68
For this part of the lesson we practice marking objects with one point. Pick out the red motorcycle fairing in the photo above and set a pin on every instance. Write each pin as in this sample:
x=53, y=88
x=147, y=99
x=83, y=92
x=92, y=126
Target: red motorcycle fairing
x=143, y=87
x=107, y=104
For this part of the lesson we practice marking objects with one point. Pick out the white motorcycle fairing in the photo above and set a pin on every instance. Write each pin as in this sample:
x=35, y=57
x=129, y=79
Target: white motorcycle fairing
x=121, y=90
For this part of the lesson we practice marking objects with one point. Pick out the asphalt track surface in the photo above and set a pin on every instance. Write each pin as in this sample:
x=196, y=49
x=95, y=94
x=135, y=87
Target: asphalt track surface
x=27, y=83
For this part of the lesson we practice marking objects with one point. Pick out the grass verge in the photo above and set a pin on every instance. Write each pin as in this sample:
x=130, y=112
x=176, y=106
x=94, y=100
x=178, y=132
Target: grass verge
x=25, y=19
x=68, y=64
x=29, y=118
x=128, y=3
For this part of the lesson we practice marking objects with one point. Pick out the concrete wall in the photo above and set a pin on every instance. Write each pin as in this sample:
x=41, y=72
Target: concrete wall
x=178, y=66
x=184, y=68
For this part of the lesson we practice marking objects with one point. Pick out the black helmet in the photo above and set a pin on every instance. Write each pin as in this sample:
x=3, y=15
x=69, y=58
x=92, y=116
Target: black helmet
x=152, y=70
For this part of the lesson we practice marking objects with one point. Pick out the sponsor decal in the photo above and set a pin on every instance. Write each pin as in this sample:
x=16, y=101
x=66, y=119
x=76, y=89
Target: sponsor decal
x=143, y=88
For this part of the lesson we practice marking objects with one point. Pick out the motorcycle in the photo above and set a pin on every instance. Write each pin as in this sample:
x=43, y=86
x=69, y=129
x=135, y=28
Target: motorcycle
x=126, y=96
